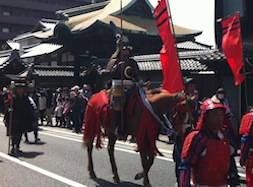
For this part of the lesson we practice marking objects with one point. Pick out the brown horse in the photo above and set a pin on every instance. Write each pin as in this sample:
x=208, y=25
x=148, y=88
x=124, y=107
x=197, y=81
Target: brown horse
x=140, y=123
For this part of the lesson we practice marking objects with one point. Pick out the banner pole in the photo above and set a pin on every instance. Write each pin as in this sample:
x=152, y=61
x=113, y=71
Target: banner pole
x=122, y=67
x=245, y=80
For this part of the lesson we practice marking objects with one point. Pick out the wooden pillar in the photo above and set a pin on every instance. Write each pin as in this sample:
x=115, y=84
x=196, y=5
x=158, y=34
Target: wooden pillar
x=77, y=69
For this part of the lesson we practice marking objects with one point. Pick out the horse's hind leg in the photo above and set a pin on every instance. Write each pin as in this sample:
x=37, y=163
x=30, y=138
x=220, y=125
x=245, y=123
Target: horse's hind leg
x=90, y=160
x=110, y=148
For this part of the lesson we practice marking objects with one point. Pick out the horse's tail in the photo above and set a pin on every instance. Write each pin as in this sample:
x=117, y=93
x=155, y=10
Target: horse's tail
x=91, y=126
x=95, y=111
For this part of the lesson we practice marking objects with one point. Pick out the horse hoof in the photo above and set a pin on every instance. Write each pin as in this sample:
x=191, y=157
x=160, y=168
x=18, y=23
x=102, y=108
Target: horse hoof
x=93, y=176
x=116, y=180
x=138, y=176
x=148, y=185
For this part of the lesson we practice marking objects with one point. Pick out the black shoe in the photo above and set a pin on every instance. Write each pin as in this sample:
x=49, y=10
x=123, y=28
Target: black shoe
x=19, y=151
x=37, y=139
x=13, y=151
x=117, y=131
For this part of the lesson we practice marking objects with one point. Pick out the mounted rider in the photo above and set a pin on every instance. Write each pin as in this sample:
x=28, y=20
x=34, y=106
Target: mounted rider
x=124, y=73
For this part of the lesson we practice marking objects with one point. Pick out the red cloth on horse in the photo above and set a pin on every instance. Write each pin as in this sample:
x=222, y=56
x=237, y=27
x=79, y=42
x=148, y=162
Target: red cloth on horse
x=149, y=126
x=96, y=112
x=246, y=123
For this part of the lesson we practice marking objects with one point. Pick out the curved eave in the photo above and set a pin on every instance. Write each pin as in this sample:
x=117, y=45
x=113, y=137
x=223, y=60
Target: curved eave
x=130, y=28
x=124, y=6
x=149, y=4
x=190, y=35
x=135, y=25
x=185, y=32
x=44, y=35
x=84, y=9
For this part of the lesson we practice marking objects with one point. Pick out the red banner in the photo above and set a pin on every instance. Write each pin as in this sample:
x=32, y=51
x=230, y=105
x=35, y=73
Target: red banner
x=232, y=46
x=173, y=81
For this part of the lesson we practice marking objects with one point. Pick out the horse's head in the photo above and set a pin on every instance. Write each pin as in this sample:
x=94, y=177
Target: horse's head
x=162, y=101
x=182, y=113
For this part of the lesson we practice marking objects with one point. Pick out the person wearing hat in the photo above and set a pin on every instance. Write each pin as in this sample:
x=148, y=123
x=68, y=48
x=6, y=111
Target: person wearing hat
x=34, y=99
x=122, y=66
x=184, y=118
x=85, y=95
x=220, y=97
x=246, y=154
x=207, y=154
x=22, y=116
x=76, y=107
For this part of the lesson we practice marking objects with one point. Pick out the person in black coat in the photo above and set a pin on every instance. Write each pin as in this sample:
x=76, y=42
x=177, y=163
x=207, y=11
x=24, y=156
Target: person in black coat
x=22, y=117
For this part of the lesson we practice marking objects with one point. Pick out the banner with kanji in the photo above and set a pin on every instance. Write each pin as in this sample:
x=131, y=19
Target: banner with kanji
x=232, y=46
x=173, y=81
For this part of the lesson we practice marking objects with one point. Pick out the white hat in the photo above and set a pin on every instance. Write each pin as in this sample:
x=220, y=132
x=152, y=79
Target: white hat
x=76, y=87
x=85, y=86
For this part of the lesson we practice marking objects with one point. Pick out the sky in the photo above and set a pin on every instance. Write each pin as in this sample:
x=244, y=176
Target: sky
x=196, y=15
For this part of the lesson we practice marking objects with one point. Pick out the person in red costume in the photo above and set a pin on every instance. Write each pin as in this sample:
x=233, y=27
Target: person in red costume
x=207, y=154
x=246, y=156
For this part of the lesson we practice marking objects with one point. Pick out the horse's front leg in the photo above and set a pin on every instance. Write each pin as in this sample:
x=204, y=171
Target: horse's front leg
x=90, y=160
x=150, y=161
x=146, y=162
x=112, y=140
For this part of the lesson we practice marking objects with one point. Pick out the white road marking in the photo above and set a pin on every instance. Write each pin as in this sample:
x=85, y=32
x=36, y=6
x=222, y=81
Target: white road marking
x=42, y=171
x=62, y=137
x=117, y=148
x=126, y=150
x=106, y=140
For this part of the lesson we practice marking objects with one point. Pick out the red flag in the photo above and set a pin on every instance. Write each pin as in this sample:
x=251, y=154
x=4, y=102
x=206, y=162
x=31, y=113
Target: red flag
x=232, y=45
x=172, y=81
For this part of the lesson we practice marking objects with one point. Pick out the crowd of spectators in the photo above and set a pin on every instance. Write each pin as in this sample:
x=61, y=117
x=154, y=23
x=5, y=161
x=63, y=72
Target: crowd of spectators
x=63, y=107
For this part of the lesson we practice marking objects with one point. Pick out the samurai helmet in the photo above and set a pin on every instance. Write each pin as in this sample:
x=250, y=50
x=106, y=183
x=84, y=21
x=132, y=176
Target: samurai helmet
x=209, y=104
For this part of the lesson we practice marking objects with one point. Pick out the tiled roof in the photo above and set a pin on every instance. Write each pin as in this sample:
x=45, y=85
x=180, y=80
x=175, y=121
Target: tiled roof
x=192, y=45
x=205, y=55
x=189, y=60
x=8, y=56
x=56, y=71
x=186, y=64
x=191, y=65
x=4, y=62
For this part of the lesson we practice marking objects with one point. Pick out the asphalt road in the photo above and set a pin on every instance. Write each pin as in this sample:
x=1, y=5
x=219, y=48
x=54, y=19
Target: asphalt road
x=60, y=160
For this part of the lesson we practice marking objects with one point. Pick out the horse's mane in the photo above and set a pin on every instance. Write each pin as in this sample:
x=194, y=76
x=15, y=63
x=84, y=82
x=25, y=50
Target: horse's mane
x=161, y=100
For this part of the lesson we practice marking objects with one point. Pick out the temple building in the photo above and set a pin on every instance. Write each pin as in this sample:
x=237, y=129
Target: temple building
x=19, y=16
x=75, y=48
x=83, y=39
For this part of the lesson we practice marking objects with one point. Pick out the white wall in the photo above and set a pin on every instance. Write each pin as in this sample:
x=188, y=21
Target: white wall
x=195, y=14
